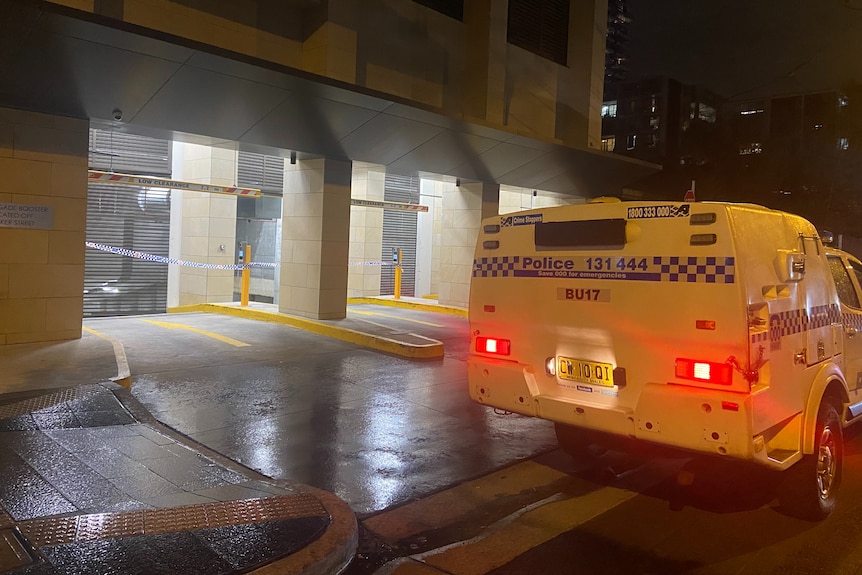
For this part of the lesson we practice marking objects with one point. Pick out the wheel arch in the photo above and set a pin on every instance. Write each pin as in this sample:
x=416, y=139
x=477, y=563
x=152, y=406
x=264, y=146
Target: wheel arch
x=828, y=383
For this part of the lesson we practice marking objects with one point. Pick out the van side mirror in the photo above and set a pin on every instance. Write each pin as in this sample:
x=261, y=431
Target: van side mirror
x=790, y=265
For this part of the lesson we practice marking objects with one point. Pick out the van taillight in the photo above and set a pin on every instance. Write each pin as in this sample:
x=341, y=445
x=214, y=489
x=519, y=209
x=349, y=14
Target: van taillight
x=707, y=371
x=493, y=345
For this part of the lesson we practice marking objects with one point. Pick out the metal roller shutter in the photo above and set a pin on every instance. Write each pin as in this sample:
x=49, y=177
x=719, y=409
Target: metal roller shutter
x=399, y=231
x=257, y=221
x=129, y=217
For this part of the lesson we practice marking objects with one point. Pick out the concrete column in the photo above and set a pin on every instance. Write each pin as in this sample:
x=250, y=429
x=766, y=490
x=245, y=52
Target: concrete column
x=366, y=231
x=429, y=234
x=43, y=160
x=463, y=210
x=205, y=226
x=315, y=239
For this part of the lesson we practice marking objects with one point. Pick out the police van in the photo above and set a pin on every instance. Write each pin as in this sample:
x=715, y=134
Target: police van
x=718, y=328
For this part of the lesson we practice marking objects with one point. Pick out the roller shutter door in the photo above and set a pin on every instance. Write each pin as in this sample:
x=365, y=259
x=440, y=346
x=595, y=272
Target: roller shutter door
x=258, y=221
x=131, y=218
x=399, y=231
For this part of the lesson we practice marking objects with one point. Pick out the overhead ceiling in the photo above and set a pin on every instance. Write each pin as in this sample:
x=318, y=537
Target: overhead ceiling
x=68, y=63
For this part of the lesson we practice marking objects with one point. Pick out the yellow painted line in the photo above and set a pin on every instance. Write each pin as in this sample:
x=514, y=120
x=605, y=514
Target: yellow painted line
x=389, y=327
x=433, y=349
x=124, y=374
x=351, y=311
x=524, y=530
x=461, y=502
x=222, y=338
x=436, y=308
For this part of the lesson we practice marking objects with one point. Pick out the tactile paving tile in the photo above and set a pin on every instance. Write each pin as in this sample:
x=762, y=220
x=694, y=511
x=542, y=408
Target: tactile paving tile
x=109, y=525
x=53, y=531
x=100, y=526
x=44, y=401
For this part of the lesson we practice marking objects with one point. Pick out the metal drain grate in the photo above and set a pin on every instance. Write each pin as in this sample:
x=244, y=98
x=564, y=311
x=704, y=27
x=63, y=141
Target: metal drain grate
x=12, y=553
x=98, y=526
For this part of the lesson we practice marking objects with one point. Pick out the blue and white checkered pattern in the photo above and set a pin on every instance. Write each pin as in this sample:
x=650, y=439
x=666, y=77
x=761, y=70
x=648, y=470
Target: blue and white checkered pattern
x=799, y=320
x=503, y=266
x=696, y=269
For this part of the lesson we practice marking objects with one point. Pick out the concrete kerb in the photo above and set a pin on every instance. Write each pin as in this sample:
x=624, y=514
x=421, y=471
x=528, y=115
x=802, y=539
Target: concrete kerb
x=329, y=554
x=408, y=304
x=431, y=350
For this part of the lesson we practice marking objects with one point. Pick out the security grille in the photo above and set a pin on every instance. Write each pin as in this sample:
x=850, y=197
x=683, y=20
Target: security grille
x=452, y=8
x=129, y=217
x=399, y=231
x=257, y=221
x=541, y=27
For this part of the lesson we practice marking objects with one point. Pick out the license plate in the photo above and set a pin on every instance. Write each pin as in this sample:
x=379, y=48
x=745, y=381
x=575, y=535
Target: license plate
x=585, y=371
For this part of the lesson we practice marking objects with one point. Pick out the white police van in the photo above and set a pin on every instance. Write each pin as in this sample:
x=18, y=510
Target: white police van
x=727, y=329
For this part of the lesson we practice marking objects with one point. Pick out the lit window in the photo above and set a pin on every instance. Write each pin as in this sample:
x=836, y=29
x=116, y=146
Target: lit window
x=652, y=107
x=818, y=126
x=842, y=100
x=750, y=112
x=653, y=123
x=631, y=141
x=608, y=144
x=752, y=148
x=843, y=144
x=609, y=109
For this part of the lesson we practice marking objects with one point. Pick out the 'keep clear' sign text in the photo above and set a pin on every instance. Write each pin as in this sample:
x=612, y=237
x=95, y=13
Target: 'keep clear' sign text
x=30, y=217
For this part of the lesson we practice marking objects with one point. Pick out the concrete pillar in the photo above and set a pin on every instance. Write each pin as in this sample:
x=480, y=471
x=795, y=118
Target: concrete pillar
x=463, y=210
x=205, y=225
x=428, y=236
x=366, y=231
x=43, y=160
x=315, y=239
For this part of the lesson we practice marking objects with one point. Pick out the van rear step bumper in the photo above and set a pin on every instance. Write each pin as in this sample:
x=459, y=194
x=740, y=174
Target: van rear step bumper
x=782, y=456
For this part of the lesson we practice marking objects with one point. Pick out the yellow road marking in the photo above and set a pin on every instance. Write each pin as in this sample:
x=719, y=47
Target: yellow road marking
x=395, y=317
x=512, y=536
x=222, y=338
x=461, y=502
x=123, y=373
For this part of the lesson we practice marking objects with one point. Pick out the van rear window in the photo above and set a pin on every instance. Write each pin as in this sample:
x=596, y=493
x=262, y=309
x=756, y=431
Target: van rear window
x=582, y=233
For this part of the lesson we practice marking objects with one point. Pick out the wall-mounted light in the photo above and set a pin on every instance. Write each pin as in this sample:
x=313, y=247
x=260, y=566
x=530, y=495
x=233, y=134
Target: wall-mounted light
x=457, y=182
x=293, y=157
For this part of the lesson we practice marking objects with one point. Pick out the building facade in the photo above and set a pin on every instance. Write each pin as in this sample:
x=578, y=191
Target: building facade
x=472, y=95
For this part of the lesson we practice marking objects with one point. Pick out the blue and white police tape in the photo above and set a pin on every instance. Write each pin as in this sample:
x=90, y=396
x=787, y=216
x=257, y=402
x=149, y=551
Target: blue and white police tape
x=164, y=260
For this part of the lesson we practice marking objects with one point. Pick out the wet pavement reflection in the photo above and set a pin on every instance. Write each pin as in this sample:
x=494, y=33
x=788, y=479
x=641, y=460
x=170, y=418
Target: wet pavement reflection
x=374, y=429
x=87, y=488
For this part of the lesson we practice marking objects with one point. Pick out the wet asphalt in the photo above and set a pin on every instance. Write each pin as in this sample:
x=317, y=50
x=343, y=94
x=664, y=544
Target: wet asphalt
x=282, y=410
x=375, y=429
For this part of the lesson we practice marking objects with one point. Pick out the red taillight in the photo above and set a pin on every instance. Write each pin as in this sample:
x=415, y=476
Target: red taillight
x=706, y=371
x=493, y=345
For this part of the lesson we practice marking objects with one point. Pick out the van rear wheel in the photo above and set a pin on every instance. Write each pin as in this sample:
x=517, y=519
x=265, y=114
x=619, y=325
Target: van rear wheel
x=810, y=488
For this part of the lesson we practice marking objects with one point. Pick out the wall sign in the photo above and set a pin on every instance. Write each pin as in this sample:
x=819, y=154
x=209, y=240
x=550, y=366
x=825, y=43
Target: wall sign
x=27, y=217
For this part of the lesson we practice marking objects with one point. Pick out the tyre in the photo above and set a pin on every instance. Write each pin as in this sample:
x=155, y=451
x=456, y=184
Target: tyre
x=810, y=488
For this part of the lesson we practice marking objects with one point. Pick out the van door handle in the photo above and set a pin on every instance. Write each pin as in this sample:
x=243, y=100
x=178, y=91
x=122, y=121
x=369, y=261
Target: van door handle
x=801, y=357
x=850, y=331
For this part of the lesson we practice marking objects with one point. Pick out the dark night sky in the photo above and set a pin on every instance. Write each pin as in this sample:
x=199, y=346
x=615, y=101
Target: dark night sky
x=745, y=49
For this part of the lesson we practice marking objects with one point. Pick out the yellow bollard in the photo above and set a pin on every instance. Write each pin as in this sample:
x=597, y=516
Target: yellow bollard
x=398, y=275
x=246, y=276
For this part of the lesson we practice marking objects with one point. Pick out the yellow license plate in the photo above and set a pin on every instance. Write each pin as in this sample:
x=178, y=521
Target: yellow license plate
x=585, y=371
